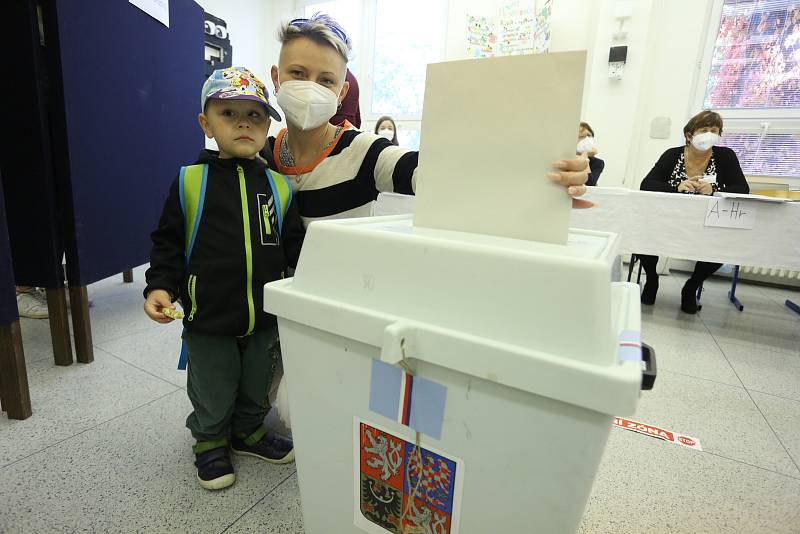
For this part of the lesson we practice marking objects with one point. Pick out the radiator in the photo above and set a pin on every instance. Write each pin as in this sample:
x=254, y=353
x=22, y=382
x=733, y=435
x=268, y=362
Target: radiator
x=771, y=273
x=779, y=277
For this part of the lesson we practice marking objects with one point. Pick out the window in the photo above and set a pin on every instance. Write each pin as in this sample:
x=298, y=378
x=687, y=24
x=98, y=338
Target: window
x=392, y=45
x=753, y=66
x=776, y=154
x=405, y=43
x=756, y=62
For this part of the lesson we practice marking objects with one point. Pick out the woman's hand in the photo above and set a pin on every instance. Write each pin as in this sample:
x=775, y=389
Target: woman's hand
x=572, y=174
x=688, y=186
x=704, y=188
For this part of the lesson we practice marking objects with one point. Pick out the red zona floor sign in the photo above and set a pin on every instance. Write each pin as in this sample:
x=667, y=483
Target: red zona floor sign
x=660, y=433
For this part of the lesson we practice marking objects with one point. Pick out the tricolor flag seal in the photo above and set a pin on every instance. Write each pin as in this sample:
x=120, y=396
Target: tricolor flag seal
x=413, y=401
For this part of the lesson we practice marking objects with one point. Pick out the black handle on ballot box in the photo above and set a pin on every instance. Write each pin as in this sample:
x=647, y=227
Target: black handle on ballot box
x=649, y=373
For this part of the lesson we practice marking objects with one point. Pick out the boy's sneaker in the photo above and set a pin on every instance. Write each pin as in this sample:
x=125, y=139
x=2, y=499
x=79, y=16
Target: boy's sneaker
x=32, y=304
x=214, y=469
x=266, y=445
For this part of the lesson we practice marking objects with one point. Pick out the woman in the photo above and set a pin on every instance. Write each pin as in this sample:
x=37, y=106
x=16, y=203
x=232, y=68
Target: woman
x=337, y=171
x=586, y=145
x=698, y=168
x=385, y=128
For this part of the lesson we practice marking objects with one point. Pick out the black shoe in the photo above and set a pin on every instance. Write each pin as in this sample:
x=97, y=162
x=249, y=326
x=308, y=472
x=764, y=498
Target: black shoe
x=271, y=447
x=689, y=297
x=650, y=290
x=214, y=469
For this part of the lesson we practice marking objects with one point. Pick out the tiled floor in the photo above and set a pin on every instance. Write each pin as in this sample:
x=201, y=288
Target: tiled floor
x=106, y=450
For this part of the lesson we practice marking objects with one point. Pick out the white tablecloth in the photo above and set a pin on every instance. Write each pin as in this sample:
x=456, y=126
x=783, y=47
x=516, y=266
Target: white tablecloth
x=670, y=224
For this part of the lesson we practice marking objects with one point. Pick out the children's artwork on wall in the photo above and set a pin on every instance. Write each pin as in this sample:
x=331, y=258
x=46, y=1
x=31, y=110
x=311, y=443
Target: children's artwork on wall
x=541, y=29
x=481, y=39
x=518, y=29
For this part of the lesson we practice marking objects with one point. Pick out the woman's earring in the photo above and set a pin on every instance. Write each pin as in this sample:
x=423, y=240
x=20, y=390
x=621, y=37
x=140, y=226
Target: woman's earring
x=339, y=106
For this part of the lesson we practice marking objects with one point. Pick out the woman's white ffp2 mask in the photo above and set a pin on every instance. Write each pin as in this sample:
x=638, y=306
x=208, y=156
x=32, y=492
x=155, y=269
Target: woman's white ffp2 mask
x=704, y=141
x=307, y=104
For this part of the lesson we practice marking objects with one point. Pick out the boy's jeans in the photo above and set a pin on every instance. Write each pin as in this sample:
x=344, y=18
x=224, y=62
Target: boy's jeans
x=228, y=384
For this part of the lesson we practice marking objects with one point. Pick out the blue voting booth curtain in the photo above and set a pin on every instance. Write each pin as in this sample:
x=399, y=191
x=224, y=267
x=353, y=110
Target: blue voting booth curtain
x=8, y=301
x=125, y=111
x=25, y=155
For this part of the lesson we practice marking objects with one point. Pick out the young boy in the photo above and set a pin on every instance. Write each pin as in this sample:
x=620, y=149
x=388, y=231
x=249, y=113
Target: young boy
x=245, y=232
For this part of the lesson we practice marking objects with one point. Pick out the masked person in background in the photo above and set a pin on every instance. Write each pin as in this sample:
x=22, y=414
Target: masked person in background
x=586, y=144
x=700, y=168
x=386, y=128
x=337, y=171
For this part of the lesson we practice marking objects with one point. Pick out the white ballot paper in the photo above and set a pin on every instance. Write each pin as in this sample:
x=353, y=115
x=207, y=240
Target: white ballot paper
x=490, y=130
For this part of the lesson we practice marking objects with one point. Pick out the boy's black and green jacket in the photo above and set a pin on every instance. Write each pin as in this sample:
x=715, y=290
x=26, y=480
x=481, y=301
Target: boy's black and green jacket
x=221, y=289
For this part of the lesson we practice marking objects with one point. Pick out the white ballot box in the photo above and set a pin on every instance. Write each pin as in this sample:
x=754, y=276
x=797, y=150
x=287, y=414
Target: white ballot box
x=454, y=382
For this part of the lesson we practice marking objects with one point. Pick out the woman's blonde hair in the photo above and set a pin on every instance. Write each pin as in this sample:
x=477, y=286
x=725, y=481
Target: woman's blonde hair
x=320, y=28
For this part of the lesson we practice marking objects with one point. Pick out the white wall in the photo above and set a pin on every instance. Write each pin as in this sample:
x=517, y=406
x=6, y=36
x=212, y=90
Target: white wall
x=670, y=78
x=610, y=106
x=248, y=22
x=665, y=40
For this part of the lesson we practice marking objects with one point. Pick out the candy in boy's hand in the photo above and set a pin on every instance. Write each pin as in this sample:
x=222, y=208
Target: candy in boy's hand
x=172, y=313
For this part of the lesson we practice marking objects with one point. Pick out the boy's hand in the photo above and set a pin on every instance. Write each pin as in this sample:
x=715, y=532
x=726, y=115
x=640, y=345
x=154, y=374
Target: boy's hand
x=572, y=174
x=157, y=300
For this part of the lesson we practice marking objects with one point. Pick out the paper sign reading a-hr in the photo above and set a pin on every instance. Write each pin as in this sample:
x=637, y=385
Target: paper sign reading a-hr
x=490, y=130
x=731, y=213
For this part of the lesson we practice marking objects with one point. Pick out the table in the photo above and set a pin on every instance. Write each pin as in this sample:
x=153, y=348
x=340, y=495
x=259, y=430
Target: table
x=669, y=224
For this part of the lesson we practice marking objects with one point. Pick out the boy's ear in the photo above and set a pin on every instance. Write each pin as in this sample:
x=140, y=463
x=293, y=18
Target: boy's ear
x=274, y=75
x=203, y=120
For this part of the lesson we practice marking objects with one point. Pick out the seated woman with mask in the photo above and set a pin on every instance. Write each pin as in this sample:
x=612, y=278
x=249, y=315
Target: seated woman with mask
x=386, y=128
x=586, y=145
x=700, y=168
x=337, y=171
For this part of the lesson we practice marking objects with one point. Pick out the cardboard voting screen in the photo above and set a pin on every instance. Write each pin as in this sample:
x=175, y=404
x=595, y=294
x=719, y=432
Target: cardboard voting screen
x=491, y=128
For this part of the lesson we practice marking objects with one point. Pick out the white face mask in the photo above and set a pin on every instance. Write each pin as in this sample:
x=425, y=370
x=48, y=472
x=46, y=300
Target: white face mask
x=704, y=141
x=307, y=104
x=386, y=133
x=585, y=145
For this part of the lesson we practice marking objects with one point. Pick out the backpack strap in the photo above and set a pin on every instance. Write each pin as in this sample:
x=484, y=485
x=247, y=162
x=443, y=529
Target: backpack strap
x=281, y=193
x=192, y=188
